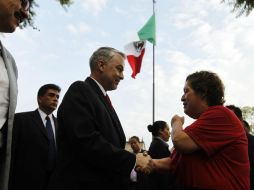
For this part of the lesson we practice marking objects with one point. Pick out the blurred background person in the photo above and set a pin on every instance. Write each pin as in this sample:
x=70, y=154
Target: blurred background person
x=12, y=13
x=251, y=152
x=159, y=148
x=238, y=113
x=137, y=180
x=136, y=145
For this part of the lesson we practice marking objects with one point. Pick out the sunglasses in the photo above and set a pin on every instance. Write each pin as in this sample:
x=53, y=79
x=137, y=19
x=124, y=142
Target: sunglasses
x=25, y=4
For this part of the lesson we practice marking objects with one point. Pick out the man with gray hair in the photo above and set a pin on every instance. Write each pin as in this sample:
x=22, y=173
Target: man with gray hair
x=91, y=140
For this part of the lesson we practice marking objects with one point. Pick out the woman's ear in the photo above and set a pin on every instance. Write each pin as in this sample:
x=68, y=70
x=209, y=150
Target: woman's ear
x=203, y=95
x=160, y=132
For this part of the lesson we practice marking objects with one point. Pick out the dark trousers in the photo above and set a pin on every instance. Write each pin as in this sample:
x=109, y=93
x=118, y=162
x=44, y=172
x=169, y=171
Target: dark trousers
x=180, y=188
x=3, y=141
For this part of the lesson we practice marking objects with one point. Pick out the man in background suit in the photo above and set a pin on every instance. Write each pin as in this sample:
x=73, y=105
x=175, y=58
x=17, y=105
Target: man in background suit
x=12, y=13
x=34, y=146
x=137, y=180
x=91, y=140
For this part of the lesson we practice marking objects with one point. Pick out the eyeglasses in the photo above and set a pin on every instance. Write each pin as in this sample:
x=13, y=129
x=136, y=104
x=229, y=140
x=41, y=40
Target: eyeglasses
x=25, y=4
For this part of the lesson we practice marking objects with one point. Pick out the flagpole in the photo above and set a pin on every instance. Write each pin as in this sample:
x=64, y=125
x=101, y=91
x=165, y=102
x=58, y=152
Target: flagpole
x=153, y=72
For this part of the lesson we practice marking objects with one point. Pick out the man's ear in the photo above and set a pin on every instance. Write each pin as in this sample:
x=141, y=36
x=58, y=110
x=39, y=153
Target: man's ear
x=39, y=100
x=101, y=65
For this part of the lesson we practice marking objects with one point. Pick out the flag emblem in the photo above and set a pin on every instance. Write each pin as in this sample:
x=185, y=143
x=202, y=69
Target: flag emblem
x=134, y=53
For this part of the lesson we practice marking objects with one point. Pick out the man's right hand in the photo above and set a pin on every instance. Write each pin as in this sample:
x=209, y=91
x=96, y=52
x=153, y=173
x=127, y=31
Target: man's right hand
x=144, y=163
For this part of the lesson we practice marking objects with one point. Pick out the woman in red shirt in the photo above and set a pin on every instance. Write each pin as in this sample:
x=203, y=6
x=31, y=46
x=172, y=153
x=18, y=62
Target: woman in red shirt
x=211, y=153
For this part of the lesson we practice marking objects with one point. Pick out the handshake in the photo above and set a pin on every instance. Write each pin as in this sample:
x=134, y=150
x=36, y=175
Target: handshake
x=144, y=163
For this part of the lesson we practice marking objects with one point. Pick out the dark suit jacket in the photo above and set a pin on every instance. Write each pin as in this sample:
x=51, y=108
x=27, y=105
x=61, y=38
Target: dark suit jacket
x=251, y=158
x=6, y=137
x=29, y=168
x=159, y=149
x=91, y=142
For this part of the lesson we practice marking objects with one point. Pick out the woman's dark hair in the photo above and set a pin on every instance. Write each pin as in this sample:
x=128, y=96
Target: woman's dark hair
x=208, y=85
x=157, y=125
x=246, y=125
x=236, y=110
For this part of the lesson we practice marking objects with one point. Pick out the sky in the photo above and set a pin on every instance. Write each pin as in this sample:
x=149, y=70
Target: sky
x=192, y=35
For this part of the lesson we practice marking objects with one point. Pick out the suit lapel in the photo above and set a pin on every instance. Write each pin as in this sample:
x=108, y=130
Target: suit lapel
x=37, y=118
x=56, y=126
x=12, y=75
x=110, y=109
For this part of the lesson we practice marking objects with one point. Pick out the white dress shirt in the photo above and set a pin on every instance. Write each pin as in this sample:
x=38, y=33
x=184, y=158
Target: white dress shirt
x=43, y=117
x=4, y=92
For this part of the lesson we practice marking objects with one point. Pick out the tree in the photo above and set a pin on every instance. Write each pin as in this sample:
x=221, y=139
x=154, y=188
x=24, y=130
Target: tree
x=241, y=6
x=248, y=115
x=32, y=13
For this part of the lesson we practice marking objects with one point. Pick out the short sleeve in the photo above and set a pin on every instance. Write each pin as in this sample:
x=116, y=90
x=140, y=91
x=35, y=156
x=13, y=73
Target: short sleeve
x=214, y=129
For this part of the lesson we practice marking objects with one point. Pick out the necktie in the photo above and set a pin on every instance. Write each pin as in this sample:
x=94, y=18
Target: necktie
x=108, y=100
x=52, y=148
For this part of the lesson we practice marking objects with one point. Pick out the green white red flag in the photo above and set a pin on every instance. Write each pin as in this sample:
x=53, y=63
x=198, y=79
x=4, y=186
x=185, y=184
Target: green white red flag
x=148, y=32
x=135, y=52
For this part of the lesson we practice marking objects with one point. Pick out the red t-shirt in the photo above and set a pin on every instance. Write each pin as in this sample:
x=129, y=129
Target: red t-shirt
x=222, y=162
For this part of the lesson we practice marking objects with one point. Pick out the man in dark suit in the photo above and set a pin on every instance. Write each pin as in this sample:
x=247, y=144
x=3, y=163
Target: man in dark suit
x=251, y=152
x=34, y=146
x=91, y=140
x=137, y=180
x=12, y=13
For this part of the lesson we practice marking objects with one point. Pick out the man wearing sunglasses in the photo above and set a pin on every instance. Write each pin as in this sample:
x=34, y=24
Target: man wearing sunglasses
x=12, y=13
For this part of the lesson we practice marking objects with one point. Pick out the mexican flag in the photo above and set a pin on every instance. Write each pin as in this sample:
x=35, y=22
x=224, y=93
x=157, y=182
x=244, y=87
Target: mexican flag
x=135, y=52
x=148, y=32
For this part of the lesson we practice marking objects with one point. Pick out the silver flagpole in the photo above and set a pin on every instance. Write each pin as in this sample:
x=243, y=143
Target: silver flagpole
x=153, y=71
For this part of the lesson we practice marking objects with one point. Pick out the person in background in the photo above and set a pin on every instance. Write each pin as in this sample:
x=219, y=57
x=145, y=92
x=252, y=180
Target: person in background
x=137, y=180
x=34, y=142
x=159, y=149
x=12, y=13
x=238, y=113
x=91, y=140
x=251, y=152
x=212, y=152
x=136, y=145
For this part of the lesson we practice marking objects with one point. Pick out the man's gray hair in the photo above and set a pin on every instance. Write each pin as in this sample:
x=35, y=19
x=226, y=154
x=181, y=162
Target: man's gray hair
x=104, y=54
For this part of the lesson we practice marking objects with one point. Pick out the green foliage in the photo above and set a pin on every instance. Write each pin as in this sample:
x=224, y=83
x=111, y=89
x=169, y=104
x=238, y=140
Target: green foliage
x=248, y=115
x=33, y=4
x=248, y=112
x=241, y=6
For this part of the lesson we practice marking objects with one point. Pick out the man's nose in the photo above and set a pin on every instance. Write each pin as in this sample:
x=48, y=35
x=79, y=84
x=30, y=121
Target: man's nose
x=121, y=76
x=182, y=98
x=55, y=98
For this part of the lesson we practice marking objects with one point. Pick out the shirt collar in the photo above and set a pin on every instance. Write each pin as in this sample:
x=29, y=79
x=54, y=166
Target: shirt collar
x=100, y=86
x=43, y=115
x=161, y=140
